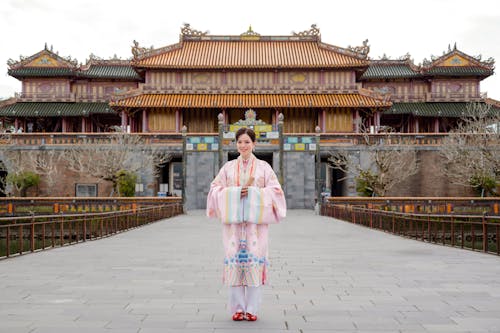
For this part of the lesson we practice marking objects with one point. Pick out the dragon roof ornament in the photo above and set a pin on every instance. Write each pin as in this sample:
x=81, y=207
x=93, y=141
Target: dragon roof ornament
x=314, y=31
x=138, y=51
x=364, y=49
x=187, y=31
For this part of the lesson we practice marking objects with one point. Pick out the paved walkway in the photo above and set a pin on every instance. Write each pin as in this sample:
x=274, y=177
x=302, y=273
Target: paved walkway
x=326, y=276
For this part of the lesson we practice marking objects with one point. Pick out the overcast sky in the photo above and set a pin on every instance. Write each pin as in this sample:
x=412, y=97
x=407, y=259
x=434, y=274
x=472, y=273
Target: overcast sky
x=78, y=28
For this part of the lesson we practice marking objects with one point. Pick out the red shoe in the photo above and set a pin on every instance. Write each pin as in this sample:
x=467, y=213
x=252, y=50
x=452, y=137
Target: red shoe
x=238, y=316
x=250, y=317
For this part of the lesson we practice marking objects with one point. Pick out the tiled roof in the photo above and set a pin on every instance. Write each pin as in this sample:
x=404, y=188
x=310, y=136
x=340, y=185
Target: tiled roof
x=454, y=110
x=41, y=72
x=379, y=71
x=110, y=72
x=249, y=100
x=55, y=109
x=251, y=54
x=459, y=71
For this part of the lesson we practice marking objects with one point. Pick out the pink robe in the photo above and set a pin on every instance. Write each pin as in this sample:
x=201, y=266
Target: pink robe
x=246, y=244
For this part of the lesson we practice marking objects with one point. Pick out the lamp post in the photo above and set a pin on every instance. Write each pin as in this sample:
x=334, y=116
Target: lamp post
x=281, y=117
x=220, y=117
x=184, y=165
x=318, y=169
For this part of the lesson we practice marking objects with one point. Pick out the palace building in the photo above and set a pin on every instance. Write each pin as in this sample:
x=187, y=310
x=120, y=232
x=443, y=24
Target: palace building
x=320, y=90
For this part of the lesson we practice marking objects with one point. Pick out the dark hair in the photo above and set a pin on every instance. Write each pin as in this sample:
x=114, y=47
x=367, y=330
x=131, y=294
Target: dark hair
x=247, y=131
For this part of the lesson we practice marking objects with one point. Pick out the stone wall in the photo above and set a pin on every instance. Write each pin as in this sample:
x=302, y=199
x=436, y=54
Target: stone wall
x=201, y=169
x=299, y=168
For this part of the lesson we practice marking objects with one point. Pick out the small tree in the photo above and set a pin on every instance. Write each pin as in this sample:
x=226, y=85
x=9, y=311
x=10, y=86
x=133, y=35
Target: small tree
x=126, y=183
x=471, y=152
x=122, y=151
x=18, y=161
x=23, y=181
x=386, y=167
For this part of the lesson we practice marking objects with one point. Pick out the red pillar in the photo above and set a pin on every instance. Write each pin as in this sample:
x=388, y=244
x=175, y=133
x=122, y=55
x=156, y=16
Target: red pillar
x=124, y=120
x=436, y=125
x=144, y=121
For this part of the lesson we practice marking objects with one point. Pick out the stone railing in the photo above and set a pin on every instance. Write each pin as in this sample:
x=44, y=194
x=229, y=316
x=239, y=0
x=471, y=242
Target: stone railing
x=41, y=97
x=326, y=139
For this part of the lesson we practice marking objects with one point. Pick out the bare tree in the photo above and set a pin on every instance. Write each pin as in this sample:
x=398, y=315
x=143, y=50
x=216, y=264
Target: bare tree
x=472, y=151
x=17, y=161
x=121, y=151
x=386, y=166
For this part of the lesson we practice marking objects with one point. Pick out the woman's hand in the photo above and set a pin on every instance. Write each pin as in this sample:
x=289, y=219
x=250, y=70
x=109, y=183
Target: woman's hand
x=244, y=191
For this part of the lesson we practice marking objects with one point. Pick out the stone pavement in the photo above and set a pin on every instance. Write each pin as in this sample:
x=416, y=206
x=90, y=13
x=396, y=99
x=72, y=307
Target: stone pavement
x=326, y=276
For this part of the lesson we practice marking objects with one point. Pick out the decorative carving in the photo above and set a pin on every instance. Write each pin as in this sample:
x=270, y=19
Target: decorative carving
x=314, y=31
x=250, y=119
x=250, y=32
x=364, y=49
x=137, y=50
x=187, y=31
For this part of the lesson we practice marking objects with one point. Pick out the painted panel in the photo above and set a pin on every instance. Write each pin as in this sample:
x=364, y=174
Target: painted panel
x=44, y=60
x=454, y=61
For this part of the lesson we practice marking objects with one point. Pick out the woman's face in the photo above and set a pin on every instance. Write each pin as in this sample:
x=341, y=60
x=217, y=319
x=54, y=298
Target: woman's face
x=245, y=146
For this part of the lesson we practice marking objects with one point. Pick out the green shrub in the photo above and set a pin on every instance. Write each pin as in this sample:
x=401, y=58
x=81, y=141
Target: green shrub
x=23, y=181
x=483, y=185
x=365, y=183
x=126, y=183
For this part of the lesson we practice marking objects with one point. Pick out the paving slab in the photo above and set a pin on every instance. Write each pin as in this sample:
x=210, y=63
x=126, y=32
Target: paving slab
x=325, y=275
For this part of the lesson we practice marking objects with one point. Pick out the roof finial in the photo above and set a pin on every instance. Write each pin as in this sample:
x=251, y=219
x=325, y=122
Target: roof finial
x=250, y=28
x=455, y=47
x=45, y=48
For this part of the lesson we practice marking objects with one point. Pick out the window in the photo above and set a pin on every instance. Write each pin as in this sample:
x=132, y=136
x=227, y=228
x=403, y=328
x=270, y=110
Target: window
x=86, y=190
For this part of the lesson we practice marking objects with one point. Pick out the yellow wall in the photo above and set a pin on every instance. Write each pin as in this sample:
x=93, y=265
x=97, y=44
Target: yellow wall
x=161, y=120
x=338, y=120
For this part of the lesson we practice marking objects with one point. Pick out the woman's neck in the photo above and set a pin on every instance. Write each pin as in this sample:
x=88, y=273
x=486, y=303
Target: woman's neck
x=246, y=158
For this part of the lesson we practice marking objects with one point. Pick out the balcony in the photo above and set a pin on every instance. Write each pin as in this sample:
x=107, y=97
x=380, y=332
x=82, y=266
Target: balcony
x=453, y=97
x=42, y=97
x=408, y=98
x=92, y=98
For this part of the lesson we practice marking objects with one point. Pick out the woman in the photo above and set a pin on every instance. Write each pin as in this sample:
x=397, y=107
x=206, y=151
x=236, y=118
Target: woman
x=246, y=196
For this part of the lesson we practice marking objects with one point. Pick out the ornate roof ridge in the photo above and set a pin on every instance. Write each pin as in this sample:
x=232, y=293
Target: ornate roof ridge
x=360, y=52
x=435, y=61
x=189, y=34
x=94, y=60
x=403, y=60
x=68, y=61
x=140, y=53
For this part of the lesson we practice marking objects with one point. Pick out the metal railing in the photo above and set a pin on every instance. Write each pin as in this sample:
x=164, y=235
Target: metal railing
x=473, y=232
x=29, y=234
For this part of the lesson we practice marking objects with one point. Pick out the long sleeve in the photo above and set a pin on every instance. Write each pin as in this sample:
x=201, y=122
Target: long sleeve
x=266, y=201
x=215, y=194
